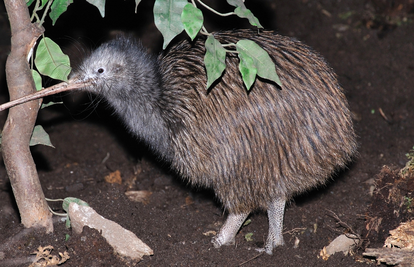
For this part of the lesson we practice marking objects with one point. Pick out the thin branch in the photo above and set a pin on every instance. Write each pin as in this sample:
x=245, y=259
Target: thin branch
x=231, y=45
x=36, y=8
x=54, y=200
x=214, y=11
x=57, y=213
x=344, y=225
x=204, y=31
x=49, y=3
x=54, y=212
x=249, y=260
x=58, y=88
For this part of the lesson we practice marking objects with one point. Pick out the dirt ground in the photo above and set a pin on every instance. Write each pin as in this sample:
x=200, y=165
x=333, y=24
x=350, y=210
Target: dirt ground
x=369, y=44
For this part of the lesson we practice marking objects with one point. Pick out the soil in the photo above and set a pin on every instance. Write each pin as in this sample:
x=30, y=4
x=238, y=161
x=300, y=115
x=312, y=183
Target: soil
x=368, y=43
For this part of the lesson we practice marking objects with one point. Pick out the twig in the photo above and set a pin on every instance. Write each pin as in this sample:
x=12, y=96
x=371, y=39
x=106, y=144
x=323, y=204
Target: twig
x=214, y=11
x=204, y=31
x=249, y=260
x=351, y=233
x=343, y=224
x=383, y=115
x=294, y=230
x=45, y=13
x=58, y=88
x=36, y=8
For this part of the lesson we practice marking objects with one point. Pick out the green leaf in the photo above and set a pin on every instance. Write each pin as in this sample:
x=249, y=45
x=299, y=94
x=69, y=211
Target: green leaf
x=65, y=206
x=40, y=137
x=29, y=2
x=44, y=2
x=247, y=222
x=247, y=69
x=214, y=59
x=192, y=19
x=167, y=18
x=67, y=222
x=51, y=61
x=68, y=200
x=262, y=61
x=37, y=80
x=248, y=237
x=235, y=3
x=100, y=4
x=136, y=5
x=58, y=8
x=244, y=12
x=346, y=15
x=50, y=104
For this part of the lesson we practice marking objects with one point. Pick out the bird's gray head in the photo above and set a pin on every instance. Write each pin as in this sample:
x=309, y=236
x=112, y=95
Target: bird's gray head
x=118, y=67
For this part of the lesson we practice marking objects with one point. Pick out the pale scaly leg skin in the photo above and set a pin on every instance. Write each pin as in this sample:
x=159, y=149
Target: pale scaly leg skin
x=228, y=231
x=275, y=213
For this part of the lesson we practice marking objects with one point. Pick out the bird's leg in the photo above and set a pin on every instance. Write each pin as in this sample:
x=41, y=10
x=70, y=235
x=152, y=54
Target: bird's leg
x=228, y=231
x=275, y=212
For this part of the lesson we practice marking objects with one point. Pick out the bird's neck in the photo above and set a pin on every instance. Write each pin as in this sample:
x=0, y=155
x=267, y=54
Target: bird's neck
x=143, y=115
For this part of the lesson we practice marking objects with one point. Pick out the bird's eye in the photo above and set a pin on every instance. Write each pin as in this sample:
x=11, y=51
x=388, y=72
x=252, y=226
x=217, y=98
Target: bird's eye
x=101, y=70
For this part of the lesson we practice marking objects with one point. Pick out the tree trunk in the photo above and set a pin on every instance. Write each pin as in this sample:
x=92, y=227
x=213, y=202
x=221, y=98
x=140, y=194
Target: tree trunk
x=18, y=128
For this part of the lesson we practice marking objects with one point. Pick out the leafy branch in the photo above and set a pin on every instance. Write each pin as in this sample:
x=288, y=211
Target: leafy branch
x=173, y=16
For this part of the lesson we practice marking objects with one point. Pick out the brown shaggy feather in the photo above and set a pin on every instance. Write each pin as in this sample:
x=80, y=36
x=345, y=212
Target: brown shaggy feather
x=253, y=146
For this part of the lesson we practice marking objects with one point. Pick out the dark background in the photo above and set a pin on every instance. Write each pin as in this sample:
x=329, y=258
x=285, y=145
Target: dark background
x=368, y=43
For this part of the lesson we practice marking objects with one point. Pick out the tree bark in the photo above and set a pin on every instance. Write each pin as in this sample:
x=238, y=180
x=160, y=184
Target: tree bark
x=392, y=256
x=18, y=128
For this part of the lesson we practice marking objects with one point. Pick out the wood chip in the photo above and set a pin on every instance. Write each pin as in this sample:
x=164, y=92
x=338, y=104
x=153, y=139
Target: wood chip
x=124, y=242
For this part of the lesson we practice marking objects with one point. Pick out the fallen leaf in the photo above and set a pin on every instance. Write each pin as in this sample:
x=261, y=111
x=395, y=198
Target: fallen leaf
x=189, y=201
x=323, y=254
x=248, y=237
x=402, y=236
x=209, y=233
x=45, y=258
x=114, y=177
x=139, y=196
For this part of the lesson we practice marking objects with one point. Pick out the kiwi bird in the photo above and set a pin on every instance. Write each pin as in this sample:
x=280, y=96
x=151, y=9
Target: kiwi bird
x=256, y=149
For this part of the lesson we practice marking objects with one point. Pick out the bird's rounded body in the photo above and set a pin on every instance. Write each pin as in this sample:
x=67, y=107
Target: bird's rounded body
x=255, y=148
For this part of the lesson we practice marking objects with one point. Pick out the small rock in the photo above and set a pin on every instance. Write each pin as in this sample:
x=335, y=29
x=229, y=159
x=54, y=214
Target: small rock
x=343, y=243
x=296, y=245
